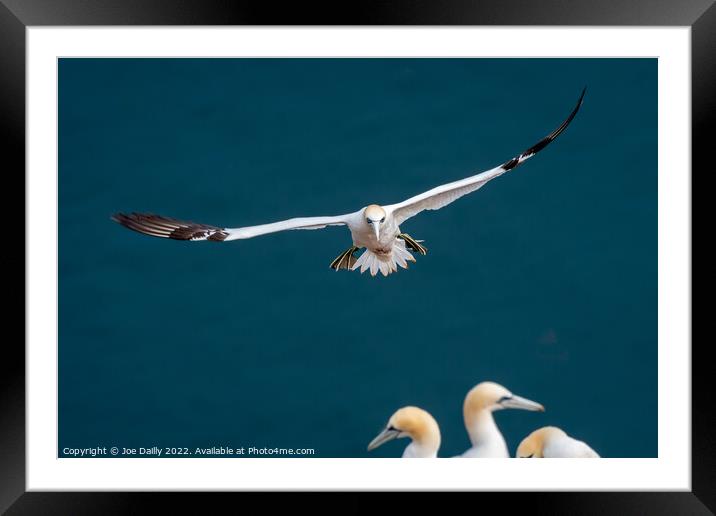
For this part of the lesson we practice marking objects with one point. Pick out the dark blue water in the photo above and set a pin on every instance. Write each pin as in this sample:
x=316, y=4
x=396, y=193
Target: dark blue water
x=545, y=280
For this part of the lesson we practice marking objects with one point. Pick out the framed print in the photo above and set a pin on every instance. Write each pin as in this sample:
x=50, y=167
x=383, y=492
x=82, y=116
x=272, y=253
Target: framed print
x=262, y=253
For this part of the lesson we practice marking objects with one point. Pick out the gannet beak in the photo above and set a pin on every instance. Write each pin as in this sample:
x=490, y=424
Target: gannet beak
x=376, y=227
x=386, y=435
x=516, y=402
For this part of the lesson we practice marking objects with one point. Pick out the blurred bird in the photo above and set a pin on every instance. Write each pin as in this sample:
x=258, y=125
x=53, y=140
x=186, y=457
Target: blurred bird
x=415, y=423
x=552, y=442
x=373, y=227
x=484, y=399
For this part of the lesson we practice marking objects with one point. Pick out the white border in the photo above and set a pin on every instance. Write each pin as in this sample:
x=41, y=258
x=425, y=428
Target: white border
x=670, y=471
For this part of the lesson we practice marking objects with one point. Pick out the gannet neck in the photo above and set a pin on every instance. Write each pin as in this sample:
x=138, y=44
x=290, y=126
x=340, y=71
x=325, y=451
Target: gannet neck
x=477, y=409
x=425, y=446
x=483, y=431
x=480, y=402
x=486, y=439
x=422, y=428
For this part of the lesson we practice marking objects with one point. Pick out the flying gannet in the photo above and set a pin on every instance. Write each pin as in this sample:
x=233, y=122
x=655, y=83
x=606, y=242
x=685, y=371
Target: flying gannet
x=417, y=424
x=373, y=227
x=484, y=399
x=552, y=442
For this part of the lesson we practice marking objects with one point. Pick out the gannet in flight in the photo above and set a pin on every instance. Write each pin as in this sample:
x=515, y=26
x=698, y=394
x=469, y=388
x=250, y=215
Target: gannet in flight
x=415, y=423
x=373, y=227
x=552, y=442
x=484, y=399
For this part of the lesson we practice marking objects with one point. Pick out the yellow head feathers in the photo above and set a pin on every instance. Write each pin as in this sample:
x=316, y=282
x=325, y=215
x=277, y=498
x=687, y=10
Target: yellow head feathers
x=484, y=395
x=487, y=397
x=532, y=446
x=374, y=213
x=415, y=423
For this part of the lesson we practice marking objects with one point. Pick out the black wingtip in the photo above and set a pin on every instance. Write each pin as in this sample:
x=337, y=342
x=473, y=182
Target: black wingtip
x=569, y=119
x=165, y=227
x=572, y=114
x=581, y=97
x=119, y=218
x=579, y=103
x=514, y=162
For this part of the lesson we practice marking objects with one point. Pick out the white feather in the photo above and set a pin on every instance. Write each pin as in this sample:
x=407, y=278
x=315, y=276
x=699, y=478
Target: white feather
x=386, y=265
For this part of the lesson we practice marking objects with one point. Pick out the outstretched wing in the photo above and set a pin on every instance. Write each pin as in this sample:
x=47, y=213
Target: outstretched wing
x=165, y=227
x=445, y=194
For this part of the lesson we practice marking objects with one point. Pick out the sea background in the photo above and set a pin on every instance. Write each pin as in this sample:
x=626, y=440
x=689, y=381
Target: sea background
x=545, y=280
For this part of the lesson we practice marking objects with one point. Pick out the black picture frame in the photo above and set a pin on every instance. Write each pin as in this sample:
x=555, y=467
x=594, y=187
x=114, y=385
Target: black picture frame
x=17, y=15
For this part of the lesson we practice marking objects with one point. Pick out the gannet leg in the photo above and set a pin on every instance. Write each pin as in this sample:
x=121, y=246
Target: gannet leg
x=413, y=244
x=345, y=260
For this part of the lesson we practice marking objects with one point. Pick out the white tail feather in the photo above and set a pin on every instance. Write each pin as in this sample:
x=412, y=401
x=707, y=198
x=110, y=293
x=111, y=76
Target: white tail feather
x=385, y=264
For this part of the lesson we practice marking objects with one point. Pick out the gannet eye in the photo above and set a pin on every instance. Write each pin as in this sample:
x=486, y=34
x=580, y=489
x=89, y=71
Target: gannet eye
x=382, y=220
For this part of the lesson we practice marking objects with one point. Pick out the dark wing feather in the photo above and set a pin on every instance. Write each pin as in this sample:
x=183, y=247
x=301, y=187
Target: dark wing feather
x=165, y=227
x=508, y=165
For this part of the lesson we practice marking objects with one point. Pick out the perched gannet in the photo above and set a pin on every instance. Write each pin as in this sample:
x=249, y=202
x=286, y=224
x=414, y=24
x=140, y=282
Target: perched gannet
x=415, y=423
x=484, y=399
x=373, y=227
x=552, y=442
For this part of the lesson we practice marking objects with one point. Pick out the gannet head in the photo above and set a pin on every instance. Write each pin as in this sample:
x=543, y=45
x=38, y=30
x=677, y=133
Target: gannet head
x=375, y=217
x=532, y=446
x=492, y=396
x=412, y=422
